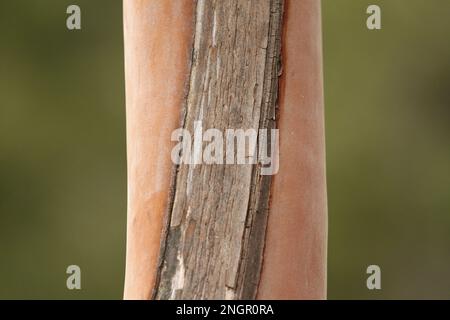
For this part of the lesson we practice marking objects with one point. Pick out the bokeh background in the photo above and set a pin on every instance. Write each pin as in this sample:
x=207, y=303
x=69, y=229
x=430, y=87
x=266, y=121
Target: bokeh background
x=63, y=161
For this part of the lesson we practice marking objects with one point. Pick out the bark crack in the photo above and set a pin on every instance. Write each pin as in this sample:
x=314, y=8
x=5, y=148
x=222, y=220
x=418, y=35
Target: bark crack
x=217, y=214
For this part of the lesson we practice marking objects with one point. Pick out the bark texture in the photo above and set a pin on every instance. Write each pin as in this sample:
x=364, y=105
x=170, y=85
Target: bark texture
x=224, y=231
x=215, y=234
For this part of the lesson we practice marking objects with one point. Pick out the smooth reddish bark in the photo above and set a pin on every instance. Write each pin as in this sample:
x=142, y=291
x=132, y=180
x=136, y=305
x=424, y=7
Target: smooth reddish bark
x=294, y=264
x=158, y=38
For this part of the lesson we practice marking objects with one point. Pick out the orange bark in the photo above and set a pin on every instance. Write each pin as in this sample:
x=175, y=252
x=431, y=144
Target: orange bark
x=158, y=38
x=295, y=254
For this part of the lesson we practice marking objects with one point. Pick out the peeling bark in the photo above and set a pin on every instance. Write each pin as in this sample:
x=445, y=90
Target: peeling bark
x=217, y=221
x=224, y=231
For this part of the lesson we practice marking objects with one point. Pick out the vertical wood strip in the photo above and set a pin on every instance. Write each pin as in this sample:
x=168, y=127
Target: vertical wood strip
x=216, y=227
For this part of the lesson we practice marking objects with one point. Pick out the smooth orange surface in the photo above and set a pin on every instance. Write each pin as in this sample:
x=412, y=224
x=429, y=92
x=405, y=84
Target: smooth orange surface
x=294, y=265
x=158, y=37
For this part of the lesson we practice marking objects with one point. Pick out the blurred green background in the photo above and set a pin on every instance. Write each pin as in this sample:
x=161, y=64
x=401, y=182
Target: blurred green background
x=63, y=161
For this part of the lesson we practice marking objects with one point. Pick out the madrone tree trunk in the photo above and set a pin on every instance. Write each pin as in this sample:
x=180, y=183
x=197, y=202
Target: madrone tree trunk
x=231, y=230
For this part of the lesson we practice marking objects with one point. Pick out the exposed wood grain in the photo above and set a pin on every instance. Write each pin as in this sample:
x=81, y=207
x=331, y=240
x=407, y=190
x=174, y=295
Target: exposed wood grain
x=217, y=219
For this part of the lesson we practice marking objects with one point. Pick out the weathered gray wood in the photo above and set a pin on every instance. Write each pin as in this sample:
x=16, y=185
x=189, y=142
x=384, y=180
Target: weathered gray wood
x=216, y=223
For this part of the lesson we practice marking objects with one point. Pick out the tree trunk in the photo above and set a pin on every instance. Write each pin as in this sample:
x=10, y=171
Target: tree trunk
x=227, y=229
